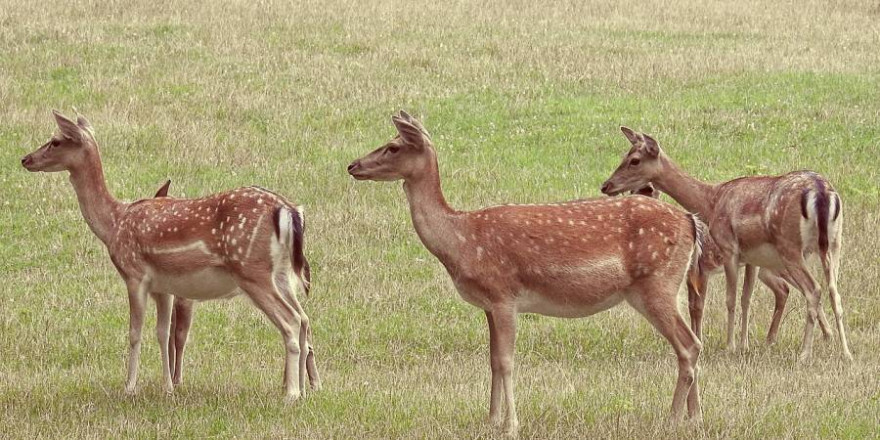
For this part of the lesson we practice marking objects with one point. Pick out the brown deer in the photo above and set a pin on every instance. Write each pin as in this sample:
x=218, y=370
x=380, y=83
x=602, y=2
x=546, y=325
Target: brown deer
x=568, y=260
x=710, y=262
x=772, y=222
x=247, y=240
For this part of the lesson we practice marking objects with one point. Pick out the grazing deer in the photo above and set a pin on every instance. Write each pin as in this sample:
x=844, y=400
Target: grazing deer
x=567, y=260
x=772, y=222
x=710, y=262
x=247, y=240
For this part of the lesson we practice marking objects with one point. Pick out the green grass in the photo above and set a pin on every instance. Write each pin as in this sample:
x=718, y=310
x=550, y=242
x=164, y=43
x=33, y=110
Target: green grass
x=524, y=101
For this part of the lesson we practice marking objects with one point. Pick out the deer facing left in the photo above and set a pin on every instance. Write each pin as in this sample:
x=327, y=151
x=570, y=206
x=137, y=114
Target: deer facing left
x=247, y=240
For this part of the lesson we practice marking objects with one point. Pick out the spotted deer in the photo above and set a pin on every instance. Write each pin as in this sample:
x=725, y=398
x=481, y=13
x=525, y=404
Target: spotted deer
x=710, y=262
x=247, y=240
x=771, y=222
x=568, y=260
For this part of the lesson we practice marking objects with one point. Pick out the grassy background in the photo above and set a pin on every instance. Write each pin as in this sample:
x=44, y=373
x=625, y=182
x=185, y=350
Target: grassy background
x=524, y=100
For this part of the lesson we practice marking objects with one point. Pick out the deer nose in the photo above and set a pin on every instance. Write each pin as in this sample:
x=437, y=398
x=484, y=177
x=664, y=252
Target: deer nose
x=354, y=165
x=25, y=161
x=606, y=187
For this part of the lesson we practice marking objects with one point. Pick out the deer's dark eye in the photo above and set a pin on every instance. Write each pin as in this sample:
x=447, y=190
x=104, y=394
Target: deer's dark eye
x=634, y=162
x=393, y=149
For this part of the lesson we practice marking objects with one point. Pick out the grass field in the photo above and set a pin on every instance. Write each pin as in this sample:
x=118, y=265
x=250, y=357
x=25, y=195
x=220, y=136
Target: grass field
x=524, y=101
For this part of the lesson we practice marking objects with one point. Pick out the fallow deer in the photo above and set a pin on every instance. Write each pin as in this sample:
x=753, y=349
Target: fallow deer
x=181, y=320
x=569, y=260
x=247, y=240
x=772, y=222
x=710, y=262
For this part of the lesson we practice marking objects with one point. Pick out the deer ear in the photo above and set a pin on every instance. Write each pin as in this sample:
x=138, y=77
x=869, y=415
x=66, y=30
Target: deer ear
x=406, y=116
x=409, y=132
x=633, y=137
x=68, y=128
x=163, y=191
x=652, y=149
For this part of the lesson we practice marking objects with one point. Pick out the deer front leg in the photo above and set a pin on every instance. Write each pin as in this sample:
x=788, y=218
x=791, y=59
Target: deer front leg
x=745, y=302
x=731, y=274
x=163, y=329
x=780, y=292
x=504, y=319
x=311, y=368
x=497, y=381
x=136, y=299
x=181, y=320
x=697, y=285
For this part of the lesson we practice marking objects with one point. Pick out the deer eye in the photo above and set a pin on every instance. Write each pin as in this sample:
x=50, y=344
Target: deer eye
x=634, y=162
x=393, y=149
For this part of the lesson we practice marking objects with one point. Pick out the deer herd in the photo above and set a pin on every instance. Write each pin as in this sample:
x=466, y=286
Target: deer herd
x=570, y=259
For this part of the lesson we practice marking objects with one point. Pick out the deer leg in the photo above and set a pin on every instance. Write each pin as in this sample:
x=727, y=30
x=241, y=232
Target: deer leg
x=797, y=275
x=137, y=294
x=269, y=300
x=311, y=369
x=696, y=302
x=504, y=319
x=661, y=310
x=745, y=302
x=780, y=292
x=181, y=320
x=163, y=328
x=831, y=266
x=283, y=284
x=731, y=274
x=497, y=381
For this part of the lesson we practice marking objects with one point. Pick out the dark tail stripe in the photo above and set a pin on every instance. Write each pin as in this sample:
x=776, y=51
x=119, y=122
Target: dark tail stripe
x=823, y=203
x=805, y=196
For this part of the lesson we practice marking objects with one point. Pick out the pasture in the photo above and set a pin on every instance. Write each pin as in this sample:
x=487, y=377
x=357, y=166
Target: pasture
x=524, y=101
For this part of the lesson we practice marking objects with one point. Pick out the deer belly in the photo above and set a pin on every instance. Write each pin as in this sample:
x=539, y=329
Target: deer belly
x=203, y=284
x=564, y=306
x=764, y=255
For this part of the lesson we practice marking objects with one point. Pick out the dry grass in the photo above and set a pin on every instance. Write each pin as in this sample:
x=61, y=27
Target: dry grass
x=524, y=100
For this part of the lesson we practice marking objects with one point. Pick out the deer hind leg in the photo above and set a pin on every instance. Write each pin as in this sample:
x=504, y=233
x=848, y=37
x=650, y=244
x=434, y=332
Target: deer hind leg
x=181, y=320
x=163, y=328
x=831, y=266
x=137, y=296
x=284, y=283
x=659, y=306
x=780, y=292
x=731, y=274
x=269, y=300
x=745, y=303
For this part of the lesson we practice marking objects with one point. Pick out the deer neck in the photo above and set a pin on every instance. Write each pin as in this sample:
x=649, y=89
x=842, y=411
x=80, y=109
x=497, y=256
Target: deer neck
x=436, y=223
x=692, y=194
x=98, y=207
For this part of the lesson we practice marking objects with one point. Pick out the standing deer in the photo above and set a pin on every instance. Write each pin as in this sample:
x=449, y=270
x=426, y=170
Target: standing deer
x=567, y=260
x=772, y=222
x=711, y=261
x=247, y=240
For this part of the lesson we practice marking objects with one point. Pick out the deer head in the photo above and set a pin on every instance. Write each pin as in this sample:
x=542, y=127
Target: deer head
x=639, y=166
x=73, y=146
x=405, y=157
